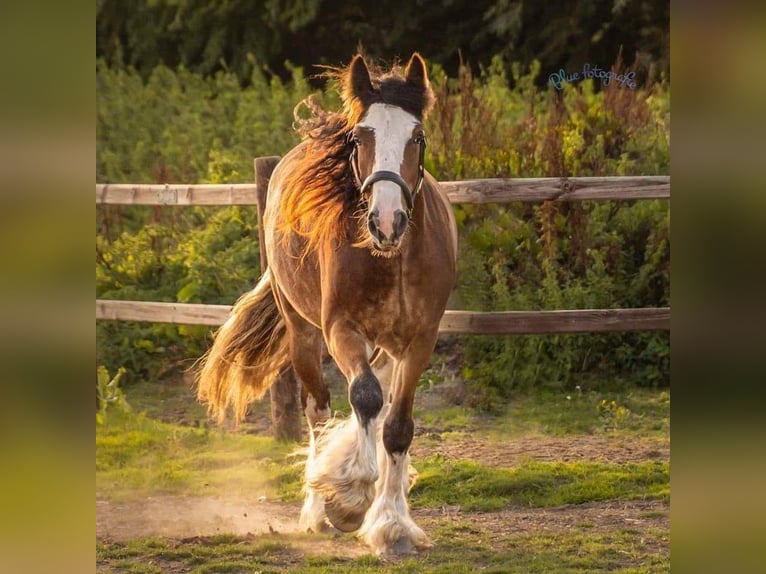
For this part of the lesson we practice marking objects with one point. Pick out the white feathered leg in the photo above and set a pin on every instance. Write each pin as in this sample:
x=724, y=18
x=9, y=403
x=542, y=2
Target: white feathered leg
x=313, y=517
x=388, y=527
x=343, y=471
x=342, y=468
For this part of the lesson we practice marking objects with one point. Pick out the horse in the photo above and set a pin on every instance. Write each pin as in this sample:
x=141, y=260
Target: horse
x=362, y=247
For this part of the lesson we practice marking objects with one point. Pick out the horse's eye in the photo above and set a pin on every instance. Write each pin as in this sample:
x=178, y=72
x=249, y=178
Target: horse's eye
x=356, y=140
x=419, y=139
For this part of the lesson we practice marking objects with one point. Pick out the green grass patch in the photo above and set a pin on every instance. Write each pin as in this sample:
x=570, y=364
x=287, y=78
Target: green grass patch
x=460, y=548
x=223, y=553
x=536, y=484
x=469, y=549
x=447, y=419
x=167, y=401
x=137, y=455
x=634, y=412
x=644, y=412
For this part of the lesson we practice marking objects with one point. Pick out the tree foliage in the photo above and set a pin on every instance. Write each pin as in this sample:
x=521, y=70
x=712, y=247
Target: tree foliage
x=243, y=35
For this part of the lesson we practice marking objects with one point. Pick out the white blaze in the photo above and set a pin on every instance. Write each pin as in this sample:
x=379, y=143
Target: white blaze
x=393, y=129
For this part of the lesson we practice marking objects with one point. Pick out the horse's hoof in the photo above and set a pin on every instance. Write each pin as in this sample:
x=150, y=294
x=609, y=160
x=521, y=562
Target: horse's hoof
x=342, y=519
x=402, y=547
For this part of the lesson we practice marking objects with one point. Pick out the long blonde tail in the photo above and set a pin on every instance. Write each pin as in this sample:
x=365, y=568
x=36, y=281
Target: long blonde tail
x=248, y=353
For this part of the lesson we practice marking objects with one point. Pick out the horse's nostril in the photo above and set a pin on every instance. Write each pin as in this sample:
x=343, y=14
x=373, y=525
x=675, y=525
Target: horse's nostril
x=373, y=223
x=400, y=223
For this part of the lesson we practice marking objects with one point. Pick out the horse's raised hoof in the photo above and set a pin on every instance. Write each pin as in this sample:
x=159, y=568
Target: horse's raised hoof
x=342, y=519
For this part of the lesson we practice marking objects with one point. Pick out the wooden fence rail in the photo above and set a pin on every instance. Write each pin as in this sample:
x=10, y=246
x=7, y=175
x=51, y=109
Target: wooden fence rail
x=465, y=322
x=468, y=191
x=285, y=409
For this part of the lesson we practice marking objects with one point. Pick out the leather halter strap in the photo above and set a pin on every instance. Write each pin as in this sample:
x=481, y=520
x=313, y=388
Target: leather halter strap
x=394, y=177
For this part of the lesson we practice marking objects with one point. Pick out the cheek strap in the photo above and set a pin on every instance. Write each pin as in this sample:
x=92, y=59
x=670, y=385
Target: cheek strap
x=421, y=167
x=354, y=161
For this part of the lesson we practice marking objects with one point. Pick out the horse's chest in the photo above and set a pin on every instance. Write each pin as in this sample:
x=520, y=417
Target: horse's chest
x=373, y=293
x=387, y=297
x=387, y=316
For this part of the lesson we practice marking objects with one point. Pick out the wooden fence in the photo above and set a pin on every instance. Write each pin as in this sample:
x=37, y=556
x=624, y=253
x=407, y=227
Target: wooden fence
x=284, y=394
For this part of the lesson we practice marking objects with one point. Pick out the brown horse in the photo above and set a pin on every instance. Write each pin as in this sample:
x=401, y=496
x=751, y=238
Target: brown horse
x=362, y=245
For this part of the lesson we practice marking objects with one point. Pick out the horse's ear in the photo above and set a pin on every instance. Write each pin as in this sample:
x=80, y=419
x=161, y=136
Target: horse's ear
x=415, y=72
x=359, y=78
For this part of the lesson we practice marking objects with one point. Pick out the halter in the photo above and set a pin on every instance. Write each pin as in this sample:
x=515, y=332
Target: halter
x=384, y=175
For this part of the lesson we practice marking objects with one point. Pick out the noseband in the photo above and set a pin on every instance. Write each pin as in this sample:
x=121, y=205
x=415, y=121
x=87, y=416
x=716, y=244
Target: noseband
x=384, y=175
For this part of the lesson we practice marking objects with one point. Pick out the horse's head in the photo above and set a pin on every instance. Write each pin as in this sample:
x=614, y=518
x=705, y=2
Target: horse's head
x=388, y=146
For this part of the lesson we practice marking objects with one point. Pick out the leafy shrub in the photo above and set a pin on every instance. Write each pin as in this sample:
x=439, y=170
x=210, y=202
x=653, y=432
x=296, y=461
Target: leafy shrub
x=556, y=255
x=109, y=394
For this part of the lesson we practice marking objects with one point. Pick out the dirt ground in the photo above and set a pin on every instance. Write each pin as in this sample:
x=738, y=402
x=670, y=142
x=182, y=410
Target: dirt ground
x=546, y=449
x=187, y=518
x=184, y=517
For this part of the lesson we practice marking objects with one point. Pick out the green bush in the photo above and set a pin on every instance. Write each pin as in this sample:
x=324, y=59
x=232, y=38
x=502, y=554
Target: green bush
x=212, y=258
x=556, y=255
x=180, y=127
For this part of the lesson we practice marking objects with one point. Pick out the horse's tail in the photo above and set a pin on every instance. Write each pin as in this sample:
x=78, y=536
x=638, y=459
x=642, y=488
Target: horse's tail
x=247, y=355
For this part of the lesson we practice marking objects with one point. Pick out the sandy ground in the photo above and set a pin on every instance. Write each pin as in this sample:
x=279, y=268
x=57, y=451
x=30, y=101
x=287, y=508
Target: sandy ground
x=188, y=518
x=184, y=517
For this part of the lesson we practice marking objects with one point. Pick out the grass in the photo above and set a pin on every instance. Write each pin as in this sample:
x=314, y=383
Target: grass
x=135, y=454
x=641, y=413
x=635, y=412
x=166, y=401
x=138, y=455
x=474, y=486
x=460, y=548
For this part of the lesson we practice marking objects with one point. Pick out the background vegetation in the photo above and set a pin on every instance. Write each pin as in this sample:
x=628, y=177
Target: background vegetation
x=242, y=35
x=180, y=126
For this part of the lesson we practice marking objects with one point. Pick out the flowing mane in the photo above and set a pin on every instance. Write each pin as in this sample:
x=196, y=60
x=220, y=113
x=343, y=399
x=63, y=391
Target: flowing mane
x=320, y=200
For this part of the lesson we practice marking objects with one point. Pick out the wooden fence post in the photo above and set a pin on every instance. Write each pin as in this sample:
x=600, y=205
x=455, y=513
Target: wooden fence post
x=284, y=393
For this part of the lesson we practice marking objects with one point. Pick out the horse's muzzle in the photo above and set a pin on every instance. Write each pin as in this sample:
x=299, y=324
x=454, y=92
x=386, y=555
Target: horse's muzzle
x=390, y=239
x=381, y=240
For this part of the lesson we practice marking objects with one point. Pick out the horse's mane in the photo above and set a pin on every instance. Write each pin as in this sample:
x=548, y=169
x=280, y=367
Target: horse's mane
x=320, y=197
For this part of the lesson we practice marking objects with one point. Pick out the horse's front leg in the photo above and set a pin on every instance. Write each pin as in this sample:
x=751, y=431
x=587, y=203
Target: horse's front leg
x=388, y=527
x=345, y=467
